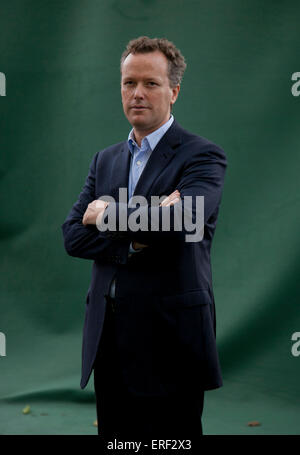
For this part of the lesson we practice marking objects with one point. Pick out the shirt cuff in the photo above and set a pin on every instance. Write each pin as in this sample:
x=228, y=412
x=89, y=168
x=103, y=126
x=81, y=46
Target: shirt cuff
x=132, y=250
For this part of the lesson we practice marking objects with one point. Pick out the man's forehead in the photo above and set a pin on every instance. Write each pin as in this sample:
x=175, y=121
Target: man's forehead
x=154, y=62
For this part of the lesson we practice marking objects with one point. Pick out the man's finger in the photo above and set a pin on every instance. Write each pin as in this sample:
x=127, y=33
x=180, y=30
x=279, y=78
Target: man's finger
x=166, y=202
x=137, y=245
x=177, y=199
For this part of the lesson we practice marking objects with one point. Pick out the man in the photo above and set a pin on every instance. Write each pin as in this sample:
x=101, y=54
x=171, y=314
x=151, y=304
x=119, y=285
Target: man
x=149, y=332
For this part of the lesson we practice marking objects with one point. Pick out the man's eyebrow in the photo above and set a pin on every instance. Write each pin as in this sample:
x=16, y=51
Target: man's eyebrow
x=148, y=78
x=153, y=78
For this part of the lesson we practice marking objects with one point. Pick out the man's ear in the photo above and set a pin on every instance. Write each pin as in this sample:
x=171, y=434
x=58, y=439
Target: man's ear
x=175, y=92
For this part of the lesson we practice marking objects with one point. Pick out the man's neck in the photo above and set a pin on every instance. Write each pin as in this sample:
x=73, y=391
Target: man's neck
x=140, y=134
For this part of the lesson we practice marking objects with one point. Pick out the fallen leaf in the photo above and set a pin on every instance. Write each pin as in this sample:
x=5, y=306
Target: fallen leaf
x=26, y=410
x=254, y=423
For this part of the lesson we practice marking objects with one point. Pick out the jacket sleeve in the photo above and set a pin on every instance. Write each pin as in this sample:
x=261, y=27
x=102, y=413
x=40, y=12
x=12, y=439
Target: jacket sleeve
x=88, y=242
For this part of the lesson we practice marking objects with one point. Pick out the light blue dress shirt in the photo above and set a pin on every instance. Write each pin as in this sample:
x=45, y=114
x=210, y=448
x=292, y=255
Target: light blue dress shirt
x=139, y=158
x=140, y=155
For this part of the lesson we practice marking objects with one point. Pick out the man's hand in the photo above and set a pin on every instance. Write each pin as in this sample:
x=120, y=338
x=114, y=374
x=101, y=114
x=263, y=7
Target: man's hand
x=94, y=209
x=169, y=200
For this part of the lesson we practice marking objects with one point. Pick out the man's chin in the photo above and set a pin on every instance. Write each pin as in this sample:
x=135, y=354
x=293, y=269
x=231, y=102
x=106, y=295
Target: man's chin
x=139, y=123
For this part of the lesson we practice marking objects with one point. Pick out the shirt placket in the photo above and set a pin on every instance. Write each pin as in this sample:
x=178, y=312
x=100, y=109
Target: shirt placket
x=138, y=165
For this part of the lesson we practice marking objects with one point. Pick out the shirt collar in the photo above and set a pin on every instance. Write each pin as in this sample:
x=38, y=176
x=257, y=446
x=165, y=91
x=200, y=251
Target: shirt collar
x=152, y=139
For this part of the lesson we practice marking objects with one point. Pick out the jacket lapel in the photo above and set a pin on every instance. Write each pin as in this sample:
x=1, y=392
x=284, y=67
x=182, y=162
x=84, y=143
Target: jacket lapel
x=159, y=158
x=120, y=171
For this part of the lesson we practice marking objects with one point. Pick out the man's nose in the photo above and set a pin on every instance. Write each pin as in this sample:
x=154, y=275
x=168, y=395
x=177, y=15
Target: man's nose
x=139, y=91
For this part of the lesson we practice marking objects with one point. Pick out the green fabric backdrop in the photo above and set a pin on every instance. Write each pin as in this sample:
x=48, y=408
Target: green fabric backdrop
x=62, y=104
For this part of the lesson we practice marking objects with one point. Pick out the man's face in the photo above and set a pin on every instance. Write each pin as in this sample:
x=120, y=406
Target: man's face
x=146, y=91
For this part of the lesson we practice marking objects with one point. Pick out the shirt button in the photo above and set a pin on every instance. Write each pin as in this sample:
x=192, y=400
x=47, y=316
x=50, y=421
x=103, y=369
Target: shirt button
x=138, y=162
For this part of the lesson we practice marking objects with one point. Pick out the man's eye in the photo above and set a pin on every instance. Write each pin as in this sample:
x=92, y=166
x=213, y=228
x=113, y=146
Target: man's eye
x=128, y=83
x=152, y=83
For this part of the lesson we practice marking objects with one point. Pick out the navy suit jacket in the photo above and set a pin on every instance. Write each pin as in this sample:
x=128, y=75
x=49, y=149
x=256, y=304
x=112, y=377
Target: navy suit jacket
x=165, y=313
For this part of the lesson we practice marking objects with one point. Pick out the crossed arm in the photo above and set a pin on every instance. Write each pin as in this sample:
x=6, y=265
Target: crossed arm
x=95, y=211
x=202, y=174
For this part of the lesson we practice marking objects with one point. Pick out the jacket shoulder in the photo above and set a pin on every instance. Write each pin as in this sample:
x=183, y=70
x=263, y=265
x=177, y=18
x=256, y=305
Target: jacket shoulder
x=201, y=141
x=195, y=143
x=107, y=153
x=111, y=149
